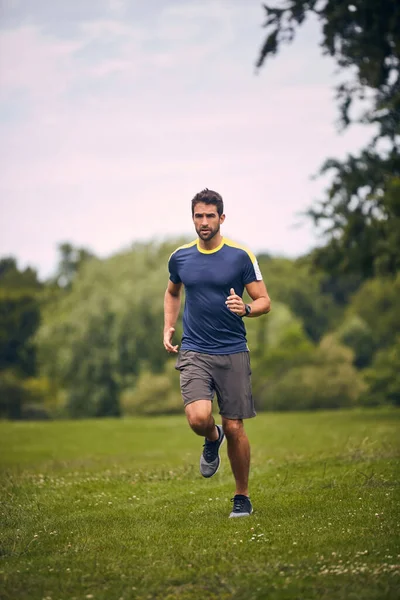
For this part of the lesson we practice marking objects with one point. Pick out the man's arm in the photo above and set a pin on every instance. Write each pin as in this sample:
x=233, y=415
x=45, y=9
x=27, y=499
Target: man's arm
x=258, y=293
x=261, y=301
x=172, y=304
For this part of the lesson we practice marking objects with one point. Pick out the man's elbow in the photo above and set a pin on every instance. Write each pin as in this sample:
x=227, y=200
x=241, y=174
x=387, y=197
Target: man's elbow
x=172, y=293
x=267, y=305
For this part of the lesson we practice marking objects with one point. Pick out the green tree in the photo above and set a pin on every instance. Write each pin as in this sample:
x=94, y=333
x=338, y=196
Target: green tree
x=11, y=277
x=106, y=329
x=324, y=379
x=154, y=393
x=293, y=282
x=359, y=336
x=71, y=260
x=360, y=215
x=19, y=317
x=376, y=303
x=383, y=377
x=20, y=292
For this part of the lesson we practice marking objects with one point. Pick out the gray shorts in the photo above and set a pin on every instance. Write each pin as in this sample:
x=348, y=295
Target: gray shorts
x=227, y=375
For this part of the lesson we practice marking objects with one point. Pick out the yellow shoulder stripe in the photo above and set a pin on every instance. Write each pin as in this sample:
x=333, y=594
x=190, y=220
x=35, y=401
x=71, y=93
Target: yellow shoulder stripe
x=235, y=245
x=189, y=245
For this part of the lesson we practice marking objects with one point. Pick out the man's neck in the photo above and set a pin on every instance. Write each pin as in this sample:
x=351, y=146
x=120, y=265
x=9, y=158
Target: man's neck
x=211, y=244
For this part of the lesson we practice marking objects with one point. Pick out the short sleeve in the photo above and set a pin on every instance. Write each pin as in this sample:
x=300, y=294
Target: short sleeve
x=251, y=270
x=173, y=269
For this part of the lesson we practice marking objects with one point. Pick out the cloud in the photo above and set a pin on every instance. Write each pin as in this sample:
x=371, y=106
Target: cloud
x=123, y=119
x=34, y=63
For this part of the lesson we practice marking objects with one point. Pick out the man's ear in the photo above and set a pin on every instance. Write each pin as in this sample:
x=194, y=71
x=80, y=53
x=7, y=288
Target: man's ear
x=222, y=218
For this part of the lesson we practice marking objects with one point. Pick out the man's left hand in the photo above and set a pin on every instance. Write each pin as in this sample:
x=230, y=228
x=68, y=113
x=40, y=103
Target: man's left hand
x=235, y=304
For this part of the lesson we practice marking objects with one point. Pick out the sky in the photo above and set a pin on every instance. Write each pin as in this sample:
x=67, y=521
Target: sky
x=115, y=113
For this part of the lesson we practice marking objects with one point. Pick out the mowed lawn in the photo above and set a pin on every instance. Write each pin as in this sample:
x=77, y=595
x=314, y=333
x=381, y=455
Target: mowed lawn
x=116, y=509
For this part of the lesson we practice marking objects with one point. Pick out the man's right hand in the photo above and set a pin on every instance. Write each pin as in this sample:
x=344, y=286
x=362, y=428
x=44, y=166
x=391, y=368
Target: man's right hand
x=168, y=333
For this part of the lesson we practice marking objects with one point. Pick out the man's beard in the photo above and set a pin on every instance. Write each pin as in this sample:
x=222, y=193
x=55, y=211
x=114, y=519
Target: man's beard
x=206, y=236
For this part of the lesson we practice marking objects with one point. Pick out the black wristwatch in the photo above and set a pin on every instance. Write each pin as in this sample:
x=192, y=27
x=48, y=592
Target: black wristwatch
x=247, y=308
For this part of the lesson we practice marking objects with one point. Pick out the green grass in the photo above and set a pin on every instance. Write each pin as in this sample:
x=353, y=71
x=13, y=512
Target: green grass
x=112, y=509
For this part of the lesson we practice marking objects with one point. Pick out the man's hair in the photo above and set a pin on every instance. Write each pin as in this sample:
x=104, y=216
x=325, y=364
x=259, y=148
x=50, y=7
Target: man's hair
x=209, y=197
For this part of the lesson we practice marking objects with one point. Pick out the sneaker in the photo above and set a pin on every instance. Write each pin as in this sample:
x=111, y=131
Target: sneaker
x=242, y=506
x=210, y=460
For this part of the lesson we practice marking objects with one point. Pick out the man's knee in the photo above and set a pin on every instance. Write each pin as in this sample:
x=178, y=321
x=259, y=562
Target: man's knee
x=199, y=414
x=233, y=428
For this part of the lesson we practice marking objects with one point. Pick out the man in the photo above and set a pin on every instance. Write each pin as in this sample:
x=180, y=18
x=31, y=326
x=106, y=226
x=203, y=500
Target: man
x=214, y=357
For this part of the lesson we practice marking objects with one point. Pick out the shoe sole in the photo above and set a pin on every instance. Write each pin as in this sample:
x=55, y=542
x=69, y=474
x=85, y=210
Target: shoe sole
x=239, y=515
x=219, y=464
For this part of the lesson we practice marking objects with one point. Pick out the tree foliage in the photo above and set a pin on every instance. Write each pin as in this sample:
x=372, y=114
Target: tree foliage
x=100, y=352
x=363, y=38
x=70, y=261
x=99, y=336
x=376, y=303
x=360, y=216
x=383, y=377
x=293, y=282
x=19, y=317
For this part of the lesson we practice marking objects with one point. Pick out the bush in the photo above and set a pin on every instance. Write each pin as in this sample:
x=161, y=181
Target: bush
x=22, y=398
x=383, y=377
x=376, y=303
x=358, y=336
x=314, y=387
x=154, y=394
x=329, y=380
x=13, y=396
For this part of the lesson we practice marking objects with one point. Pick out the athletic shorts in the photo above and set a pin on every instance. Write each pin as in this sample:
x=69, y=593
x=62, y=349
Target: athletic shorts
x=226, y=375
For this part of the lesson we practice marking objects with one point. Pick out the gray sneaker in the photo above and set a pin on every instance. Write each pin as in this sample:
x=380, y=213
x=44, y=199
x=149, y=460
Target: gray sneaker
x=210, y=460
x=242, y=506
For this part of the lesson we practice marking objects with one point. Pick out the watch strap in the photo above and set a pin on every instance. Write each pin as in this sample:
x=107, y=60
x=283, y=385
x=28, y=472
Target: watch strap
x=247, y=308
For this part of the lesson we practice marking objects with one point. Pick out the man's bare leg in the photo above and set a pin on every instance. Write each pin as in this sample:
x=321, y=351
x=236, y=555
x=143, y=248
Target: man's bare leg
x=200, y=419
x=238, y=453
x=199, y=415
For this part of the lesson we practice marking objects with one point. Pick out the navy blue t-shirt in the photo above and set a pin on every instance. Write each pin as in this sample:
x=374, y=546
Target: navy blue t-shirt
x=208, y=275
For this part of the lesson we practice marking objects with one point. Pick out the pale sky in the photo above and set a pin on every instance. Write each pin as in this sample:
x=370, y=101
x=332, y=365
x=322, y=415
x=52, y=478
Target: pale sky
x=114, y=113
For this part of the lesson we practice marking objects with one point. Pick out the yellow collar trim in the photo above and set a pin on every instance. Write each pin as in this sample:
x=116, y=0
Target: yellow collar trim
x=203, y=251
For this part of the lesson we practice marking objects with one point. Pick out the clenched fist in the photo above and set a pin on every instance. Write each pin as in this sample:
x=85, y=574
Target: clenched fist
x=235, y=304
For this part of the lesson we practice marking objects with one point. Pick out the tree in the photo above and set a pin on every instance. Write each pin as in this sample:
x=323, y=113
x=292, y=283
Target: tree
x=383, y=377
x=376, y=303
x=71, y=260
x=294, y=284
x=12, y=277
x=100, y=334
x=19, y=317
x=360, y=216
x=359, y=336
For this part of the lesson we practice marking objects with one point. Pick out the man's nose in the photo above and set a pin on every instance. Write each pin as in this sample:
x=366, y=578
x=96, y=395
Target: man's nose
x=204, y=221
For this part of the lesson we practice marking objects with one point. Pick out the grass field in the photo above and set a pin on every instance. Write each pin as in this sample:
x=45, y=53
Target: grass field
x=116, y=509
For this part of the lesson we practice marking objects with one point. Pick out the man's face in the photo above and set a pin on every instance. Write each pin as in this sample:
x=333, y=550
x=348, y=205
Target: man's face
x=207, y=220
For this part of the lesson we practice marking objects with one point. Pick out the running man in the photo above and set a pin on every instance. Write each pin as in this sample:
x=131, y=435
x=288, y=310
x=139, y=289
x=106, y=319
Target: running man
x=214, y=356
